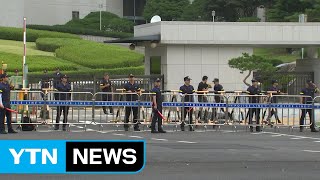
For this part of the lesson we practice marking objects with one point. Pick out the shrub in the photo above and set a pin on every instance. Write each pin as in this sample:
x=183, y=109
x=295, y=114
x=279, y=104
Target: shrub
x=249, y=19
x=16, y=34
x=91, y=54
x=81, y=31
x=35, y=63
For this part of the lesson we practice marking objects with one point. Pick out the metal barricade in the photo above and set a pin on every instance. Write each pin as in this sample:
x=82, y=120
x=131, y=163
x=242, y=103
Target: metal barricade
x=316, y=110
x=76, y=106
x=135, y=106
x=27, y=104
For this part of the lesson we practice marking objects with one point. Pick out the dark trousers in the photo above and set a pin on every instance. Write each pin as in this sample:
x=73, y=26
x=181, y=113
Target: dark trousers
x=303, y=116
x=65, y=110
x=107, y=97
x=135, y=116
x=274, y=112
x=189, y=111
x=255, y=111
x=202, y=98
x=3, y=114
x=156, y=118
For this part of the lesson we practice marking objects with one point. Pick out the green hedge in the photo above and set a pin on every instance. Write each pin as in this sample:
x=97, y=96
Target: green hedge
x=35, y=63
x=91, y=54
x=249, y=19
x=16, y=34
x=81, y=31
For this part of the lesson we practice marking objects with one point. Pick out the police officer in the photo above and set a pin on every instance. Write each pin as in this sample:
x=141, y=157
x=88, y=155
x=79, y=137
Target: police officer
x=65, y=88
x=254, y=90
x=131, y=87
x=274, y=99
x=156, y=108
x=309, y=90
x=44, y=82
x=186, y=91
x=203, y=86
x=106, y=86
x=217, y=91
x=5, y=89
x=56, y=78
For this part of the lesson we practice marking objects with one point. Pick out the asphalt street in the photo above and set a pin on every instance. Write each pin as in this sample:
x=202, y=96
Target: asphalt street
x=210, y=154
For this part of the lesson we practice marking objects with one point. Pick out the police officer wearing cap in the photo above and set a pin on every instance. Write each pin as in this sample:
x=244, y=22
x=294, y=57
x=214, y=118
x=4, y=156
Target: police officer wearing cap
x=65, y=88
x=106, y=86
x=56, y=78
x=254, y=90
x=186, y=91
x=5, y=91
x=308, y=91
x=203, y=86
x=156, y=107
x=131, y=87
x=274, y=100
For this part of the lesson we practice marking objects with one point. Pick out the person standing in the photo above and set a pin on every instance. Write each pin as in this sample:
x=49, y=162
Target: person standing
x=56, y=78
x=254, y=91
x=156, y=108
x=106, y=86
x=5, y=93
x=132, y=88
x=186, y=91
x=274, y=100
x=309, y=91
x=64, y=88
x=217, y=98
x=203, y=86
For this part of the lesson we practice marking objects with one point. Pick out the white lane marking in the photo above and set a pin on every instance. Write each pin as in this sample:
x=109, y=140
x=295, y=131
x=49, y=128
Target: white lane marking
x=226, y=131
x=187, y=142
x=80, y=127
x=156, y=139
x=139, y=137
x=90, y=130
x=46, y=131
x=317, y=141
x=276, y=135
x=311, y=151
x=257, y=133
x=296, y=138
x=116, y=134
x=293, y=136
x=104, y=132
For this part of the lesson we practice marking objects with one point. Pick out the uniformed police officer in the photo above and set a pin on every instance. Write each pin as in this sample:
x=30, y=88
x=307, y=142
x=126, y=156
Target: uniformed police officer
x=309, y=90
x=131, y=87
x=56, y=78
x=156, y=108
x=65, y=88
x=44, y=82
x=254, y=90
x=186, y=91
x=274, y=99
x=5, y=88
x=217, y=98
x=106, y=86
x=203, y=86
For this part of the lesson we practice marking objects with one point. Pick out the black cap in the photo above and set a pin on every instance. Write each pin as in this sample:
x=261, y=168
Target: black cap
x=64, y=76
x=157, y=80
x=215, y=80
x=187, y=78
x=131, y=75
x=254, y=80
x=204, y=78
x=309, y=81
x=274, y=81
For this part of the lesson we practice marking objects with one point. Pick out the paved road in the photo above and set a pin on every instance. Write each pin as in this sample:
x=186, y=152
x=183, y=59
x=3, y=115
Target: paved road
x=210, y=154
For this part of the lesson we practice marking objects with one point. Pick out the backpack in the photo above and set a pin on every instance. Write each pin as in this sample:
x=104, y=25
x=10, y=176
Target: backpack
x=27, y=127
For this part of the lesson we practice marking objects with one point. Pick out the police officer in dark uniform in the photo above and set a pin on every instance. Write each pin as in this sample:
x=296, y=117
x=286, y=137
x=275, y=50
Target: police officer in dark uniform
x=274, y=99
x=5, y=89
x=309, y=90
x=56, y=78
x=64, y=87
x=106, y=86
x=156, y=108
x=186, y=91
x=254, y=90
x=45, y=82
x=203, y=86
x=131, y=87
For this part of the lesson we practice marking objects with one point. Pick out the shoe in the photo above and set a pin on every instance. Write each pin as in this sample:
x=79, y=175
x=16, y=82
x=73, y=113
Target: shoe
x=258, y=129
x=279, y=122
x=105, y=111
x=314, y=130
x=251, y=129
x=56, y=128
x=11, y=131
x=3, y=132
x=301, y=129
x=136, y=129
x=191, y=128
x=154, y=131
x=162, y=131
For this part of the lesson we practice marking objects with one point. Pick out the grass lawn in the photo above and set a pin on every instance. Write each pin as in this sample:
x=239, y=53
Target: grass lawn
x=16, y=47
x=277, y=53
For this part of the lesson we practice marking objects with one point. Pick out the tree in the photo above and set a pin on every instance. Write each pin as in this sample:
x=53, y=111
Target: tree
x=251, y=63
x=168, y=10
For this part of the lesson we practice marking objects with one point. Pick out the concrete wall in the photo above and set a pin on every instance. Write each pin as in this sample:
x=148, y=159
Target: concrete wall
x=52, y=12
x=196, y=61
x=309, y=65
x=11, y=13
